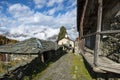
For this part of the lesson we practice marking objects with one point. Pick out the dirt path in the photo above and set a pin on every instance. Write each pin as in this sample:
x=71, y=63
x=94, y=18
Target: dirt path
x=66, y=68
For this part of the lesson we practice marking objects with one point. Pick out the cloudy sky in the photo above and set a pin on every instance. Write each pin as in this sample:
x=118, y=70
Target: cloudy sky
x=28, y=16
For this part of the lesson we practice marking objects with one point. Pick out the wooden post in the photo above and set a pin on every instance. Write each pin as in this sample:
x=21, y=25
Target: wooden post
x=79, y=38
x=82, y=19
x=81, y=25
x=97, y=42
x=42, y=57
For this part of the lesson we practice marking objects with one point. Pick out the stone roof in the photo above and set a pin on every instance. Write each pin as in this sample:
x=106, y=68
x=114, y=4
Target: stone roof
x=31, y=46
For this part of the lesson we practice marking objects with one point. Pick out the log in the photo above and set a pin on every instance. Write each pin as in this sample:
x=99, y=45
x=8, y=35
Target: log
x=97, y=42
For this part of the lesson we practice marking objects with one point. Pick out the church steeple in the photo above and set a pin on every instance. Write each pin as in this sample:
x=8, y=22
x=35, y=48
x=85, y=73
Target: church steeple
x=66, y=35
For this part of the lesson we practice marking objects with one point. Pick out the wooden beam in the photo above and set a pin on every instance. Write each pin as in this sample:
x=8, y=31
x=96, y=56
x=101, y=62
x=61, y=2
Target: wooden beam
x=42, y=58
x=81, y=26
x=82, y=19
x=110, y=32
x=97, y=42
x=89, y=35
x=19, y=53
x=102, y=33
x=79, y=40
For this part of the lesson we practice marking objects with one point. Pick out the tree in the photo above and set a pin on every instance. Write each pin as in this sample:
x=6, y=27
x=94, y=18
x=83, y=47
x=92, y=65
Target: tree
x=62, y=33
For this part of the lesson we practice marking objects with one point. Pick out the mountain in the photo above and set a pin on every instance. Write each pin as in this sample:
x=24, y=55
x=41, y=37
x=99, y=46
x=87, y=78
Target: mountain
x=53, y=38
x=4, y=40
x=22, y=34
x=44, y=33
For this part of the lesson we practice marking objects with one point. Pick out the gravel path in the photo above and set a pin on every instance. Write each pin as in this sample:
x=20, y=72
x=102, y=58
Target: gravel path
x=60, y=70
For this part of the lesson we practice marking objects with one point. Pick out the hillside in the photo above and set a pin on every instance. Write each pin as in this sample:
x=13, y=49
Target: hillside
x=4, y=40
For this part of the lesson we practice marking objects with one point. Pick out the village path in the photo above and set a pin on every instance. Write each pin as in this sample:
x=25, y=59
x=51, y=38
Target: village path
x=66, y=68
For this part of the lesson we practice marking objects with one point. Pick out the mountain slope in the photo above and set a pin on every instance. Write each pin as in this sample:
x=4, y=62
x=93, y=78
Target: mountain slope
x=4, y=40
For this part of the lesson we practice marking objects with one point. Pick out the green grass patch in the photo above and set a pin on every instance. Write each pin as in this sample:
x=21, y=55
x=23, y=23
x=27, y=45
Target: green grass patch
x=36, y=77
x=1, y=69
x=78, y=69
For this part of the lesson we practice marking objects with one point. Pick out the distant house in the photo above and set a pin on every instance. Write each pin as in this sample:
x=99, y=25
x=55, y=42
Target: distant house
x=67, y=42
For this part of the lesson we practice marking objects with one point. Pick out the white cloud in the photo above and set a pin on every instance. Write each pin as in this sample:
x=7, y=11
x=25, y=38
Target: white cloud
x=71, y=4
x=40, y=32
x=58, y=8
x=18, y=10
x=1, y=8
x=37, y=24
x=4, y=2
x=52, y=2
x=39, y=3
x=52, y=11
x=68, y=19
x=4, y=20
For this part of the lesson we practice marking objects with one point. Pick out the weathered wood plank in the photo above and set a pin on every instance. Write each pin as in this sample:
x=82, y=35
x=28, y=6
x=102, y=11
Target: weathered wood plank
x=89, y=35
x=109, y=65
x=104, y=64
x=97, y=42
x=110, y=32
x=102, y=32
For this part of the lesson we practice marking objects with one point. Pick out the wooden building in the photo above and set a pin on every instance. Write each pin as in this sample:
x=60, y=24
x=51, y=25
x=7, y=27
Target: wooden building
x=94, y=22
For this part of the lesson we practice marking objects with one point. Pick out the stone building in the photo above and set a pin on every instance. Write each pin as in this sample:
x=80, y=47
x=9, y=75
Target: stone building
x=27, y=49
x=67, y=43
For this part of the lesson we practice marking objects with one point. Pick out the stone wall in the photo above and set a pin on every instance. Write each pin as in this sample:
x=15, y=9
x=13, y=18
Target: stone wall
x=30, y=68
x=110, y=44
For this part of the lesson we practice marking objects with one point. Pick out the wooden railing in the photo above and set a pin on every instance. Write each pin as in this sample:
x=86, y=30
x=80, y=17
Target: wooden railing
x=101, y=33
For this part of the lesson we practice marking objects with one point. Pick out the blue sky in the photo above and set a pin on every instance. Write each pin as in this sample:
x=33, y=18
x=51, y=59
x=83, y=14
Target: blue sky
x=24, y=16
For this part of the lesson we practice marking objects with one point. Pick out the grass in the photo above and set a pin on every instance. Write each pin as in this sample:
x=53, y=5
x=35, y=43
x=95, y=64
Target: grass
x=36, y=77
x=1, y=69
x=78, y=70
